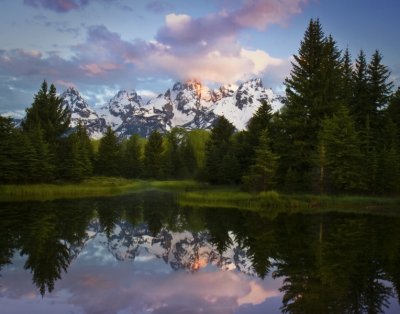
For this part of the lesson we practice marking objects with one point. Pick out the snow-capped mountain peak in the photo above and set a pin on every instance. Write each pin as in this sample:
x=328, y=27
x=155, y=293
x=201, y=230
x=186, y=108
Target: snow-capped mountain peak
x=82, y=113
x=188, y=105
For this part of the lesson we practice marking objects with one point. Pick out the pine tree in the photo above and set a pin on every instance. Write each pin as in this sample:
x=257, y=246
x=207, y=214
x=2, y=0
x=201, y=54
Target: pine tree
x=379, y=90
x=312, y=92
x=26, y=158
x=48, y=113
x=190, y=165
x=359, y=103
x=389, y=170
x=347, y=78
x=44, y=169
x=393, y=111
x=342, y=156
x=152, y=160
x=77, y=151
x=218, y=145
x=8, y=151
x=261, y=176
x=172, y=158
x=132, y=157
x=108, y=161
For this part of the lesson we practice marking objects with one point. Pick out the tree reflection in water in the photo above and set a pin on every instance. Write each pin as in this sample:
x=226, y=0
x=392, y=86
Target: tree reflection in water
x=330, y=263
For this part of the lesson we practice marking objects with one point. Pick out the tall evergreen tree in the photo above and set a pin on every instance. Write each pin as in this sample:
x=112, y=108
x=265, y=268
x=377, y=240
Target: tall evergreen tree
x=8, y=151
x=246, y=142
x=48, y=112
x=358, y=105
x=261, y=176
x=77, y=156
x=393, y=111
x=347, y=78
x=190, y=164
x=44, y=169
x=132, y=157
x=379, y=89
x=108, y=161
x=217, y=147
x=172, y=158
x=342, y=157
x=152, y=159
x=312, y=92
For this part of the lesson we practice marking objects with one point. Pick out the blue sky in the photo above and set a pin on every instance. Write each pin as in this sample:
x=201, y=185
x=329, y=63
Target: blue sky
x=101, y=46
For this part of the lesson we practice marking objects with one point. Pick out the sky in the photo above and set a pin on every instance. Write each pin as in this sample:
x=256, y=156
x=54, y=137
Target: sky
x=102, y=46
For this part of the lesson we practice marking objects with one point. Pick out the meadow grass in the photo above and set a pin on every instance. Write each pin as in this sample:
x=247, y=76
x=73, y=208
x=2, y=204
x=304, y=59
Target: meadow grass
x=195, y=194
x=274, y=202
x=96, y=186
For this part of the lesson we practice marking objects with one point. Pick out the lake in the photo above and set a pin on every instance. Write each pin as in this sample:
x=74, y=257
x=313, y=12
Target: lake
x=143, y=253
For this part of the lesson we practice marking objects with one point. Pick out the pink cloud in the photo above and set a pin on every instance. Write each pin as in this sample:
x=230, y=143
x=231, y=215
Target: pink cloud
x=93, y=69
x=60, y=6
x=261, y=13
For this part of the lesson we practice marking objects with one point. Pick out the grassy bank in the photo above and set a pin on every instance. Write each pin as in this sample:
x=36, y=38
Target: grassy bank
x=194, y=194
x=98, y=186
x=274, y=202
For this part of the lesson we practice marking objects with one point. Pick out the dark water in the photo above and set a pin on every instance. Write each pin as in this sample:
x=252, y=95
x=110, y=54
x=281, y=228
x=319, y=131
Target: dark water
x=145, y=254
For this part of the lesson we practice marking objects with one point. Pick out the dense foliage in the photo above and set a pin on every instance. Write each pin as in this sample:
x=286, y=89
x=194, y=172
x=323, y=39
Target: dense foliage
x=337, y=132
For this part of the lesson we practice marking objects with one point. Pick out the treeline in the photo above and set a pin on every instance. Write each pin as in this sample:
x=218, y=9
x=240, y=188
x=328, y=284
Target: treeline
x=337, y=132
x=45, y=149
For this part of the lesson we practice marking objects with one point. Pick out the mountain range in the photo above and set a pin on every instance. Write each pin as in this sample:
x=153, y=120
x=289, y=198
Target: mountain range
x=189, y=105
x=186, y=250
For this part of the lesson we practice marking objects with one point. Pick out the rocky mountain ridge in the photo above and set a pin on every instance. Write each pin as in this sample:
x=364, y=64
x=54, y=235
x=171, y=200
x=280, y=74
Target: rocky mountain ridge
x=185, y=250
x=189, y=105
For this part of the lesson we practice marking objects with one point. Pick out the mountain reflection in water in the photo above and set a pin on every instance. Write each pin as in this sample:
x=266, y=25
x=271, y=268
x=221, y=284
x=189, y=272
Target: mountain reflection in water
x=144, y=253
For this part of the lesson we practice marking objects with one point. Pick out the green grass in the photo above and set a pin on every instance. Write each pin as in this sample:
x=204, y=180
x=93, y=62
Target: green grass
x=274, y=202
x=194, y=194
x=97, y=186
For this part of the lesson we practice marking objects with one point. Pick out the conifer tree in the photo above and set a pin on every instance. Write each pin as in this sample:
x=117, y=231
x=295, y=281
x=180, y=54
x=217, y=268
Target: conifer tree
x=108, y=161
x=8, y=151
x=44, y=169
x=77, y=156
x=347, y=78
x=312, y=92
x=261, y=176
x=379, y=89
x=172, y=158
x=188, y=154
x=343, y=157
x=218, y=145
x=246, y=142
x=393, y=111
x=132, y=157
x=48, y=112
x=26, y=158
x=359, y=103
x=152, y=162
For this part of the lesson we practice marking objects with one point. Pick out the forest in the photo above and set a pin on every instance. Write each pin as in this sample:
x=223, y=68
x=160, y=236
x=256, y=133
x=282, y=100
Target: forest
x=338, y=132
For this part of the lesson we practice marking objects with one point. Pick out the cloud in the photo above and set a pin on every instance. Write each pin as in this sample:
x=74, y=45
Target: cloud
x=261, y=13
x=61, y=6
x=93, y=288
x=258, y=14
x=158, y=6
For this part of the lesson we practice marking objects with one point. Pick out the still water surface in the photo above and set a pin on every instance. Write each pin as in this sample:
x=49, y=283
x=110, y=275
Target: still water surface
x=143, y=253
